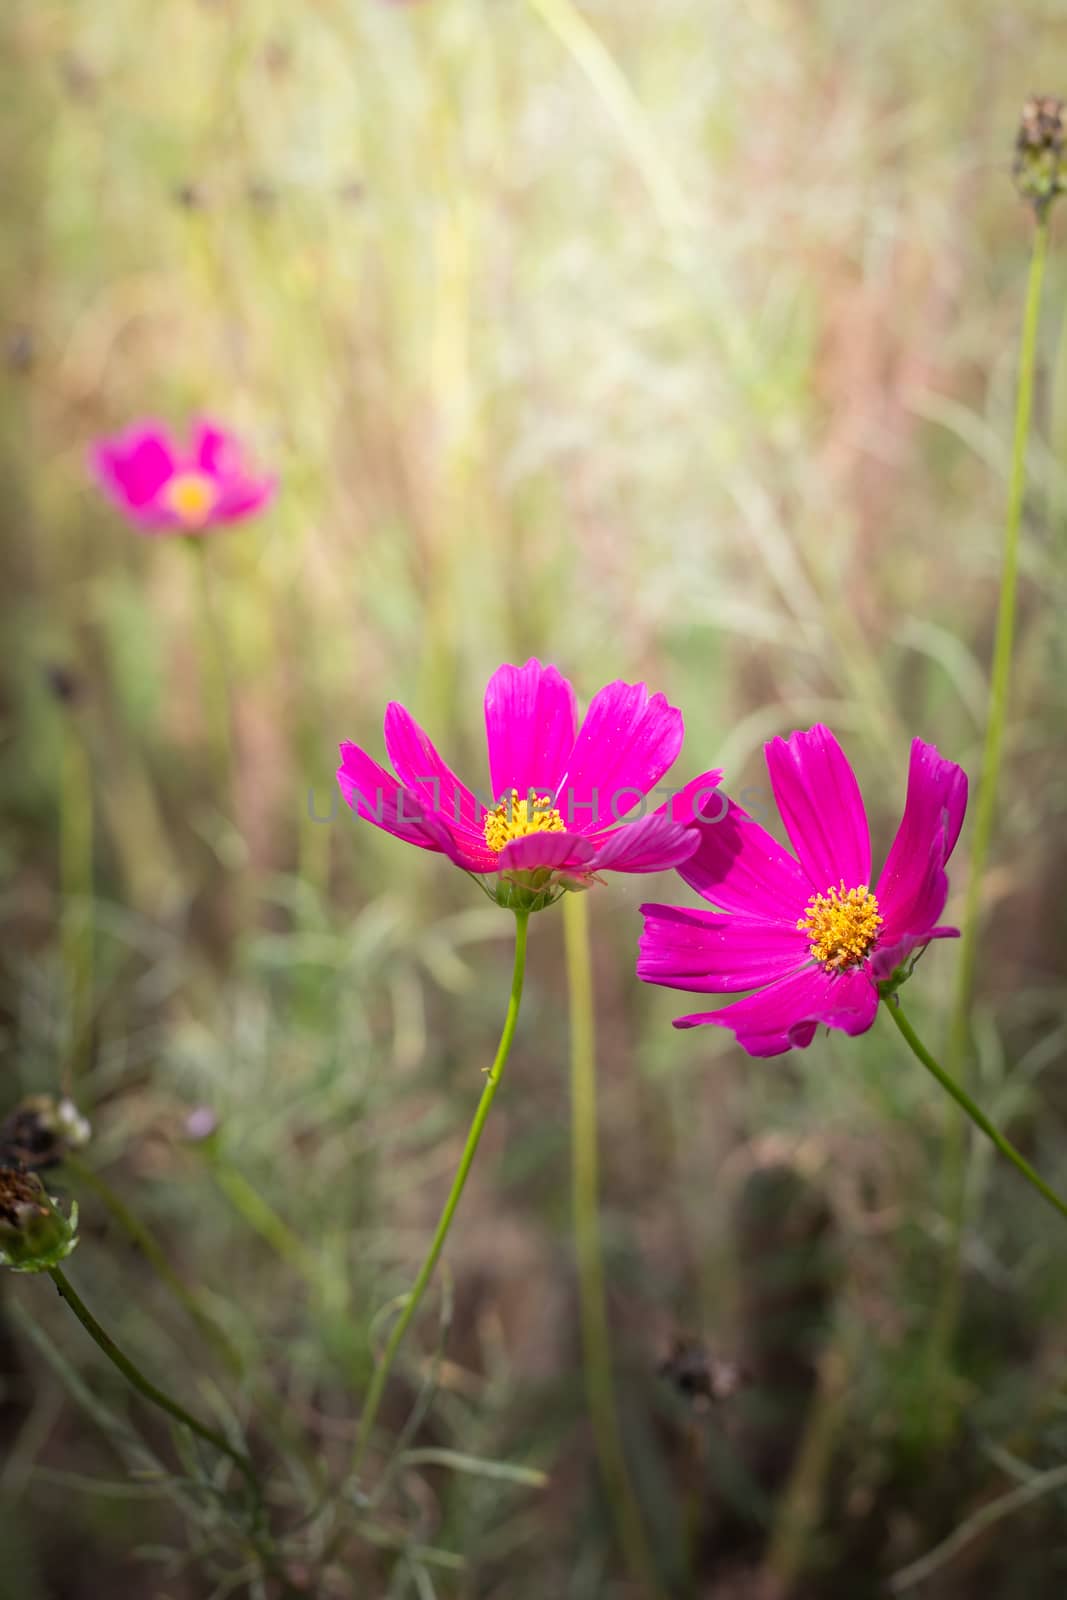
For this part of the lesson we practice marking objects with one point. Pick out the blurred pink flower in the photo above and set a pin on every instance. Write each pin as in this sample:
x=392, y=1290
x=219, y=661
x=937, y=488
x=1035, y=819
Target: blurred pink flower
x=167, y=489
x=557, y=790
x=805, y=931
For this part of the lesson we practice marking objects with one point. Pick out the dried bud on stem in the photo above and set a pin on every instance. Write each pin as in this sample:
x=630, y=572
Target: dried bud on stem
x=1040, y=167
x=34, y=1234
x=41, y=1132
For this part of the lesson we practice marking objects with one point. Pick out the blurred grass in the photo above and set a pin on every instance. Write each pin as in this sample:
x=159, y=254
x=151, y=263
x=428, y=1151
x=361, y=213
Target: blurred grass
x=690, y=358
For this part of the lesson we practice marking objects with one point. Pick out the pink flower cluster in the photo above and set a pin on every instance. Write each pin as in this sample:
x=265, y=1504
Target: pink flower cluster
x=803, y=934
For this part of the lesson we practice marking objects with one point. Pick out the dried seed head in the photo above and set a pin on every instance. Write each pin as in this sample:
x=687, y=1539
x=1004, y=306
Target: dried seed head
x=34, y=1233
x=63, y=683
x=698, y=1375
x=41, y=1131
x=1040, y=166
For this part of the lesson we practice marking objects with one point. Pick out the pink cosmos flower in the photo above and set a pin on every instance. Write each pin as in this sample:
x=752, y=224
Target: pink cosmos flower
x=557, y=792
x=805, y=931
x=165, y=488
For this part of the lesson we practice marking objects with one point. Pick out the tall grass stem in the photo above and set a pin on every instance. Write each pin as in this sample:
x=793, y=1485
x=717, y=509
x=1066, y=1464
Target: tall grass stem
x=946, y=1313
x=585, y=1185
x=76, y=887
x=216, y=677
x=621, y=105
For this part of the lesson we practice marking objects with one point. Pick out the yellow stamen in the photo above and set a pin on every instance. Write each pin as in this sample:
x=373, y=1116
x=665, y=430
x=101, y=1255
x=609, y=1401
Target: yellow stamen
x=514, y=819
x=191, y=497
x=842, y=926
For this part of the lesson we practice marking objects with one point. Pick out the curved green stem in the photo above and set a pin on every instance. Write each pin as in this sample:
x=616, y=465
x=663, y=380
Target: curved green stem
x=147, y=1389
x=986, y=799
x=1000, y=678
x=418, y=1289
x=596, y=1341
x=154, y=1253
x=976, y=1114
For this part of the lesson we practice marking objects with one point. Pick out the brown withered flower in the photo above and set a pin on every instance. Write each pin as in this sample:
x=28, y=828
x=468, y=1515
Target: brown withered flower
x=700, y=1376
x=41, y=1132
x=34, y=1233
x=1040, y=166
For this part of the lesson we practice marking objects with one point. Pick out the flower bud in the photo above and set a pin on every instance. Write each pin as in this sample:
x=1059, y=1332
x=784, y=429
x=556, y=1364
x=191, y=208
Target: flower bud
x=201, y=1124
x=1041, y=151
x=41, y=1131
x=34, y=1233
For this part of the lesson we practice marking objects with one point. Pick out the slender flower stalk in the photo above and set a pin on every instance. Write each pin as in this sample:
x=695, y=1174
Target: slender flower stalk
x=891, y=1001
x=219, y=697
x=260, y=1215
x=596, y=1342
x=148, y=1390
x=419, y=1287
x=955, y=1163
x=76, y=884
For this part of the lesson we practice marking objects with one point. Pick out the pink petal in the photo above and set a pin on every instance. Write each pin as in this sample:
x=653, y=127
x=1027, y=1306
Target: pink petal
x=625, y=745
x=785, y=1015
x=652, y=844
x=886, y=958
x=530, y=720
x=698, y=797
x=714, y=953
x=243, y=497
x=468, y=849
x=822, y=808
x=422, y=769
x=738, y=866
x=913, y=887
x=377, y=797
x=216, y=451
x=135, y=466
x=560, y=850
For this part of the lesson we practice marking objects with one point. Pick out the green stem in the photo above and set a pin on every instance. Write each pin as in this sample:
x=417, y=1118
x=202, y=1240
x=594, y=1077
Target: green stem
x=418, y=1289
x=76, y=885
x=216, y=677
x=260, y=1216
x=585, y=1184
x=976, y=1114
x=270, y=1408
x=148, y=1389
x=955, y=1164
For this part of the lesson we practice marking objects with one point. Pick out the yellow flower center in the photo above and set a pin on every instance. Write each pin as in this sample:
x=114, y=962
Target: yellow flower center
x=514, y=819
x=191, y=497
x=841, y=926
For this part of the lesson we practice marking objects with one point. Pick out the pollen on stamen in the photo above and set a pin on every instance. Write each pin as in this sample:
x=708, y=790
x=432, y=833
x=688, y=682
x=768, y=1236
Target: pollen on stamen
x=514, y=819
x=842, y=926
x=191, y=497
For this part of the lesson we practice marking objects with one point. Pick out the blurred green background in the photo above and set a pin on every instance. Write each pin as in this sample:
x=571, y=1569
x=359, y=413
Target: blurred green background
x=672, y=341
